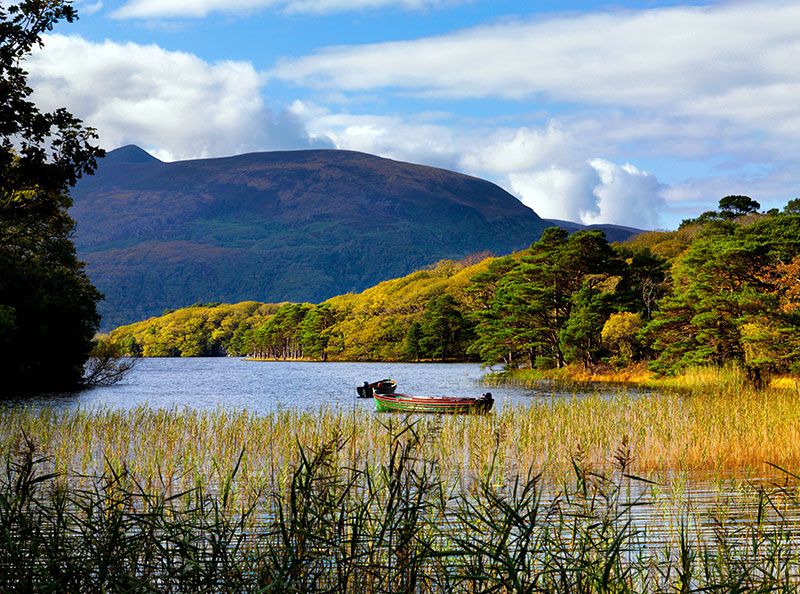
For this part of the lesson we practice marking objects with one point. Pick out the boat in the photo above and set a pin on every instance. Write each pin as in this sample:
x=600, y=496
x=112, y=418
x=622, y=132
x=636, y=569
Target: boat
x=384, y=386
x=433, y=404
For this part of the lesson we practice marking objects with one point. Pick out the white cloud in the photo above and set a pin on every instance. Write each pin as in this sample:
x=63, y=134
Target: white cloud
x=88, y=7
x=523, y=148
x=171, y=102
x=626, y=195
x=735, y=61
x=597, y=191
x=148, y=9
x=418, y=139
x=558, y=192
x=547, y=168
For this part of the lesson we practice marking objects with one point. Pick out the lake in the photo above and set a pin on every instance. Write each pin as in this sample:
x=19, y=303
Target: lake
x=265, y=387
x=261, y=387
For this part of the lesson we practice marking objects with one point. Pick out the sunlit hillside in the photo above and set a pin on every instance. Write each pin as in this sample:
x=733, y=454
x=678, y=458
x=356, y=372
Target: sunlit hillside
x=365, y=326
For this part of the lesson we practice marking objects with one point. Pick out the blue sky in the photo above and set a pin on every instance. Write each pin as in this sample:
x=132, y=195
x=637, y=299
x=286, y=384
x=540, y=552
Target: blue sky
x=637, y=113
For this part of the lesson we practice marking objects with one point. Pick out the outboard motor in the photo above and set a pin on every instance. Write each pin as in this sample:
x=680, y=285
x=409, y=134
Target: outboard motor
x=487, y=397
x=365, y=390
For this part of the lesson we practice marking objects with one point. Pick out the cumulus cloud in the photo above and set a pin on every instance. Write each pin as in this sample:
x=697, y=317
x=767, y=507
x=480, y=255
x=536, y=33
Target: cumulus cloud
x=518, y=149
x=558, y=192
x=626, y=195
x=171, y=102
x=597, y=191
x=734, y=61
x=419, y=139
x=547, y=168
x=148, y=9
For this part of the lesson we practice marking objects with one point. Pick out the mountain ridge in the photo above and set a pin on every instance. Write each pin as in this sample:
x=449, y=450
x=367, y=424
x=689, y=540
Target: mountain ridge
x=277, y=226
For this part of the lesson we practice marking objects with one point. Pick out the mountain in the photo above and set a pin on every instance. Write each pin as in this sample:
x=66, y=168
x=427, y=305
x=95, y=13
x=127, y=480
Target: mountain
x=612, y=232
x=292, y=225
x=297, y=225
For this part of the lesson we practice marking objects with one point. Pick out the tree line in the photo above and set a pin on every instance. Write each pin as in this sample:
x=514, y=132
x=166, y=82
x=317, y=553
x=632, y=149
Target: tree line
x=723, y=288
x=48, y=315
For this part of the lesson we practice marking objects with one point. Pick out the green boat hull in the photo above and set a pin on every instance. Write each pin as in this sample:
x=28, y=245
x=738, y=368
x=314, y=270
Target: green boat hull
x=437, y=405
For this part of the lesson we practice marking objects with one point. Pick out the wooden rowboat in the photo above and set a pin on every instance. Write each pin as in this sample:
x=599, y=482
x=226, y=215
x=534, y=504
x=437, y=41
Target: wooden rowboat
x=433, y=404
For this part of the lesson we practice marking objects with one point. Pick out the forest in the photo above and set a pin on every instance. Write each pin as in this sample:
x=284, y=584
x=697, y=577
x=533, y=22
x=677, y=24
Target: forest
x=723, y=288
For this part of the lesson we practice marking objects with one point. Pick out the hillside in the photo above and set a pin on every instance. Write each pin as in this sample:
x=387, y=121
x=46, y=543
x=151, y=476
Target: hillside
x=371, y=325
x=299, y=226
x=278, y=226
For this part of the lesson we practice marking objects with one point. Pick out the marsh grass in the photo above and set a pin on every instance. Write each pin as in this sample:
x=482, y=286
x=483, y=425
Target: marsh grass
x=730, y=431
x=392, y=524
x=545, y=497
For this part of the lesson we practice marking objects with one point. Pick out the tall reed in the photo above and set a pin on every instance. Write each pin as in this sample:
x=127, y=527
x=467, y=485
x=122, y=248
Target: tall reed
x=393, y=523
x=723, y=433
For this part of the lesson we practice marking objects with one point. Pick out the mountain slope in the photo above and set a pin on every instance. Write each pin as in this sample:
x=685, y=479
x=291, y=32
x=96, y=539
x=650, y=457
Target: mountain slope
x=296, y=225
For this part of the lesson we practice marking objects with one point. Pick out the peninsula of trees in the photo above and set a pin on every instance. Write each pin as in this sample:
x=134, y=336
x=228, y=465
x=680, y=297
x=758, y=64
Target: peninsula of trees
x=723, y=288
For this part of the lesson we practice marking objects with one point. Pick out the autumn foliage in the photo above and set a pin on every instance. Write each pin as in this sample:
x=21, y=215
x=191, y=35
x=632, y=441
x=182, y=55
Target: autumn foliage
x=724, y=290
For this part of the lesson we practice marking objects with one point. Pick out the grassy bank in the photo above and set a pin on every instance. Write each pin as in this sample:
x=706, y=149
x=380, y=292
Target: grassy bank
x=728, y=380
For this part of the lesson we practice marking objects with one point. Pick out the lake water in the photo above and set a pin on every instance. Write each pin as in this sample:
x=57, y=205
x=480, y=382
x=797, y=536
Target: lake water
x=231, y=383
x=263, y=387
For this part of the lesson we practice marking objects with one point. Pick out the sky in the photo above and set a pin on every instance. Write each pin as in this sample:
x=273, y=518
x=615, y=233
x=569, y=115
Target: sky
x=637, y=112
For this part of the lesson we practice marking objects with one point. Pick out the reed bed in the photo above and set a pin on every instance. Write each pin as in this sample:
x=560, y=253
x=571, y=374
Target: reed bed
x=395, y=523
x=534, y=498
x=725, y=433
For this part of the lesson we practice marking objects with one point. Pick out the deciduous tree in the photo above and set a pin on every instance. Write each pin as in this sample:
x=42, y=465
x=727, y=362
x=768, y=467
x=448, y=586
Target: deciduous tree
x=48, y=314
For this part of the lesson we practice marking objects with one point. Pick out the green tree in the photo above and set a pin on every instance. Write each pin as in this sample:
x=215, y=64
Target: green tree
x=734, y=206
x=315, y=331
x=412, y=343
x=501, y=335
x=642, y=282
x=280, y=336
x=725, y=305
x=580, y=337
x=48, y=302
x=445, y=330
x=792, y=207
x=524, y=315
x=551, y=274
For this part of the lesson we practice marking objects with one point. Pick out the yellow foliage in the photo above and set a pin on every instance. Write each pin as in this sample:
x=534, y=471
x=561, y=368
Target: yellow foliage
x=370, y=325
x=667, y=244
x=620, y=334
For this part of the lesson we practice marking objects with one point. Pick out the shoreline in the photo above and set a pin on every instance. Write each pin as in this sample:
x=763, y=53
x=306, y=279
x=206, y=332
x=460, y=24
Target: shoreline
x=694, y=379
